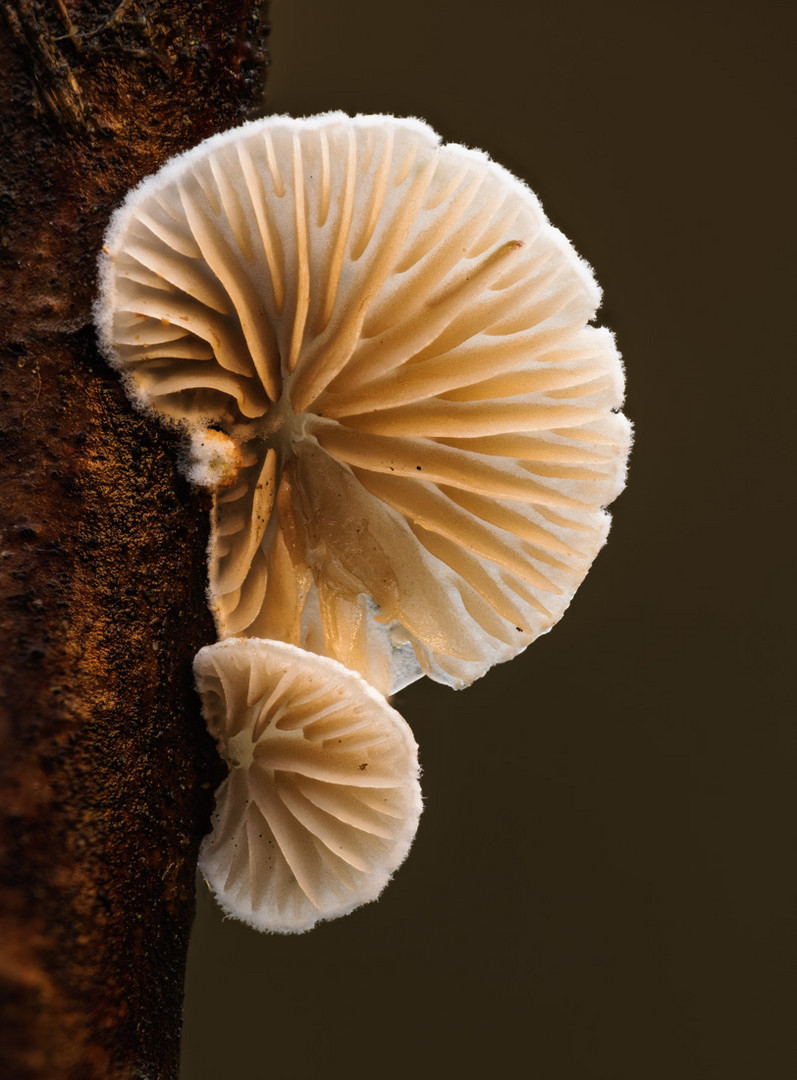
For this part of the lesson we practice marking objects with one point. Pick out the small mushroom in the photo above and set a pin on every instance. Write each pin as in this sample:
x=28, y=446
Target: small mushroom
x=322, y=799
x=399, y=342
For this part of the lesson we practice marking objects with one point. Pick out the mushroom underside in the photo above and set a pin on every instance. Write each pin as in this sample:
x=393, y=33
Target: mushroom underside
x=322, y=799
x=399, y=344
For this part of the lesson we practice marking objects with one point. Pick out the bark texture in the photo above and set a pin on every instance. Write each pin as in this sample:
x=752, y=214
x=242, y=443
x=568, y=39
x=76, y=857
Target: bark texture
x=106, y=773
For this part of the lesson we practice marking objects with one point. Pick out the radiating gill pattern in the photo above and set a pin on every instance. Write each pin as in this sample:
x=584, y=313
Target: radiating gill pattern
x=322, y=799
x=399, y=340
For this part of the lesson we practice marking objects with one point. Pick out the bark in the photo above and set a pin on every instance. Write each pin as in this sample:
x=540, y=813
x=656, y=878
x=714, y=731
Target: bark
x=106, y=772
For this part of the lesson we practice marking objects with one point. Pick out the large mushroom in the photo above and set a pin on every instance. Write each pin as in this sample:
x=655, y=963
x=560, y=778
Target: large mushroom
x=422, y=428
x=322, y=799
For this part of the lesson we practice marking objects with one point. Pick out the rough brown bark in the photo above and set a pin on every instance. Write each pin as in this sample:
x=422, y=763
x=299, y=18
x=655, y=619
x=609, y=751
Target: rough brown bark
x=106, y=772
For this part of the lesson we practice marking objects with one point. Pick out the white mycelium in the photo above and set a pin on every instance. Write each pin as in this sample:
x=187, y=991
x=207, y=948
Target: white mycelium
x=398, y=340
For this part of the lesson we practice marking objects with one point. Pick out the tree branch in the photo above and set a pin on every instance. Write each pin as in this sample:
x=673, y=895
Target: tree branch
x=106, y=772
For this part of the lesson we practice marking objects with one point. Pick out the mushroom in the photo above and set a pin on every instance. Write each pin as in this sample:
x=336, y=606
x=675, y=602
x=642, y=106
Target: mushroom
x=322, y=799
x=398, y=342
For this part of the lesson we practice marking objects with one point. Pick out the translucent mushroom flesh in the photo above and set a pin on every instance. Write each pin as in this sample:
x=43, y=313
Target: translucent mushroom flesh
x=322, y=799
x=399, y=342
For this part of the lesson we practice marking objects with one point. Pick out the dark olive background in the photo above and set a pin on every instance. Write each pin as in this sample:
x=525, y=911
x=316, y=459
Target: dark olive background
x=602, y=886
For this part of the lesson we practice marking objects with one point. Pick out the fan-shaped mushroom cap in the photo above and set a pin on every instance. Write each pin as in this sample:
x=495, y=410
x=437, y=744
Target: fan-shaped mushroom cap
x=399, y=340
x=322, y=800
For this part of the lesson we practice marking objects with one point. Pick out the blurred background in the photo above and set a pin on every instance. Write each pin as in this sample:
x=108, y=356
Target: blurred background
x=602, y=885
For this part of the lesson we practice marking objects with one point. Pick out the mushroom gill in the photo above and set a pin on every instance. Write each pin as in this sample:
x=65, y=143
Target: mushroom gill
x=322, y=799
x=399, y=343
